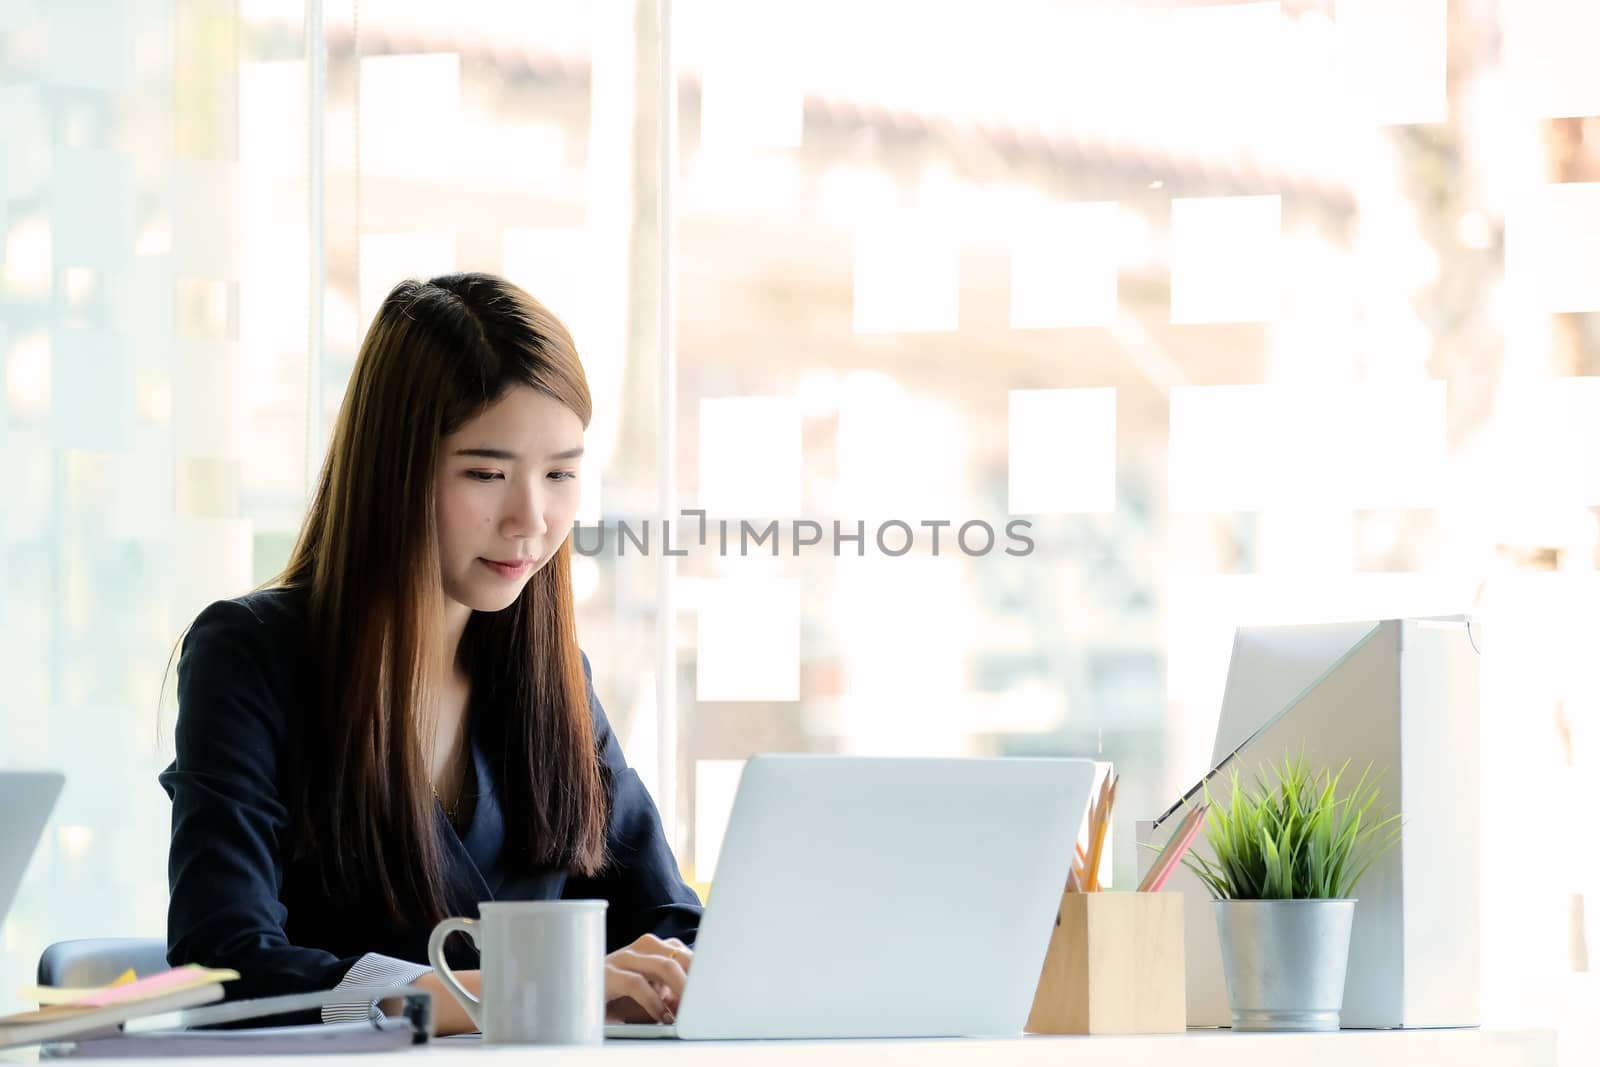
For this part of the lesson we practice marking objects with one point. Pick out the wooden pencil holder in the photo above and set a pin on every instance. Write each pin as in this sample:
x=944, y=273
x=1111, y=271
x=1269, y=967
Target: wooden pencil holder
x=1114, y=966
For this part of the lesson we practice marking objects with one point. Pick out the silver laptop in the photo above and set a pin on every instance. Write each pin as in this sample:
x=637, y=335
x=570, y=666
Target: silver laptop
x=26, y=798
x=864, y=897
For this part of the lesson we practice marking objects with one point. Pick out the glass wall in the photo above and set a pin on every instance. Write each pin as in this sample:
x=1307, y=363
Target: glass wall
x=1246, y=312
x=153, y=346
x=1258, y=313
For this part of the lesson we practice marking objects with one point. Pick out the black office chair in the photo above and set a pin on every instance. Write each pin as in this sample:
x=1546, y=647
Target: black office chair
x=98, y=960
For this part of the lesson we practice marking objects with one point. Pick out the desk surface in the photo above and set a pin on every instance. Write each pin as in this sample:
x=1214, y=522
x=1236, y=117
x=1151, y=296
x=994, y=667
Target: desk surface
x=1198, y=1048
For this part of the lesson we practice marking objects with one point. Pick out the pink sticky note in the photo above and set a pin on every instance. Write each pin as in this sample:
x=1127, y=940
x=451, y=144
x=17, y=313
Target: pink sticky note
x=144, y=988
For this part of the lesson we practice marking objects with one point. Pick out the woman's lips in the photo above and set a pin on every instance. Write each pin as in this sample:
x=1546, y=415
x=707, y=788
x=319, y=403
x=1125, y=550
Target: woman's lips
x=508, y=570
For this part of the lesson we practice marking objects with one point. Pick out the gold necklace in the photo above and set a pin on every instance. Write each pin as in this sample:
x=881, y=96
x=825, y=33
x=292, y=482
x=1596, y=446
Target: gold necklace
x=449, y=809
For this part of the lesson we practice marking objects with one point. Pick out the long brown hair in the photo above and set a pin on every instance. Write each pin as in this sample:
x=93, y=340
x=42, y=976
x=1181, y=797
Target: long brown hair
x=437, y=354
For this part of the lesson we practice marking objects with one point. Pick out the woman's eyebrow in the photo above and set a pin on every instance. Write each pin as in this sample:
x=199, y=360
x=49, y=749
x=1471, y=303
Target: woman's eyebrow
x=512, y=457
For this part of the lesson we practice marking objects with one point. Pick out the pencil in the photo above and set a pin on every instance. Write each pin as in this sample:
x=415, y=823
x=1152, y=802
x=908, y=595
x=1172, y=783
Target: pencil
x=1101, y=822
x=1167, y=862
x=1164, y=857
x=1094, y=831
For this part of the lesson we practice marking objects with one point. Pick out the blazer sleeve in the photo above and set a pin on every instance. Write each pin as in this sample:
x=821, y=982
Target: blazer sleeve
x=640, y=879
x=225, y=862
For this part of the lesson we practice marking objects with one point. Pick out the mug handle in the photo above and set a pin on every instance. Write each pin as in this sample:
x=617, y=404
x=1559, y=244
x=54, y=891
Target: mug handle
x=471, y=1004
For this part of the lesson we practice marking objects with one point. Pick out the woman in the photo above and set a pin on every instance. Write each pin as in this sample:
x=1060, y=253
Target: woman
x=401, y=725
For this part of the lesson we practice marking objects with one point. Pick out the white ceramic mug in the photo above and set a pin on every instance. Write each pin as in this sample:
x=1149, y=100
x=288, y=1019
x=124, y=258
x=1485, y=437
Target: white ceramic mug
x=542, y=968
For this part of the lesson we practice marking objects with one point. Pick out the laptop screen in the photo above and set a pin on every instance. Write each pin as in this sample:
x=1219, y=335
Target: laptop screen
x=27, y=798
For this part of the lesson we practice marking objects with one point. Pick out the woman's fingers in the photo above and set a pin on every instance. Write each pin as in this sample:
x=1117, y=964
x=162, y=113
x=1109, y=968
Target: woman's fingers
x=624, y=1010
x=680, y=952
x=663, y=970
x=625, y=983
x=651, y=973
x=671, y=947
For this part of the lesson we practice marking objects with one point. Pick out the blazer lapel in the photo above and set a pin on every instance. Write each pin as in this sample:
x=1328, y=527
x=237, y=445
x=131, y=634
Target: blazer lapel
x=486, y=834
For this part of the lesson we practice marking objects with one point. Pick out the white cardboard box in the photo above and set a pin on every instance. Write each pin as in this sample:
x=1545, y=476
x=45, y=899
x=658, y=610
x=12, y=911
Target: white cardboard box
x=1402, y=695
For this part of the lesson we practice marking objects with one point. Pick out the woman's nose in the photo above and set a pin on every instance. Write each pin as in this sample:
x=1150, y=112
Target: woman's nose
x=526, y=519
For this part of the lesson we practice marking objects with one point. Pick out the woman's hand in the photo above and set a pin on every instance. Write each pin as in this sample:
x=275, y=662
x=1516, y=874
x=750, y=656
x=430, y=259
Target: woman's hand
x=644, y=982
x=449, y=1017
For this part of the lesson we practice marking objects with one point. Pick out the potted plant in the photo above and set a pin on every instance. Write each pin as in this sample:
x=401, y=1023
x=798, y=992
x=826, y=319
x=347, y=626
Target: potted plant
x=1287, y=858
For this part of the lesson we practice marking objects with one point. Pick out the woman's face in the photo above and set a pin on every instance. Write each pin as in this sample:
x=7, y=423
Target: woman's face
x=506, y=492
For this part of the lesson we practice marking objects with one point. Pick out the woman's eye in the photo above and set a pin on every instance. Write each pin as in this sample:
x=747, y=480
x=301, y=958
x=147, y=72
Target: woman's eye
x=483, y=476
x=562, y=476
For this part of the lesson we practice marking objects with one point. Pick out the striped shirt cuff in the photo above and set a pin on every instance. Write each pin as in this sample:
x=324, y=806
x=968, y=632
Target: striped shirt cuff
x=371, y=969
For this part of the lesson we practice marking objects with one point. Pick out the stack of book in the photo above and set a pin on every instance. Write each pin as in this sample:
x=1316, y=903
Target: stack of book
x=79, y=1014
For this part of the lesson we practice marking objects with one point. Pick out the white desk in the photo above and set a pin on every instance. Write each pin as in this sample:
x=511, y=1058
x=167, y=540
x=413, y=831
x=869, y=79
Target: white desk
x=1199, y=1048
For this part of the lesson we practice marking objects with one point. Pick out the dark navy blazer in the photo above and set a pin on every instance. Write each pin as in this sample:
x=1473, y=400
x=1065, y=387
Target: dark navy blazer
x=244, y=676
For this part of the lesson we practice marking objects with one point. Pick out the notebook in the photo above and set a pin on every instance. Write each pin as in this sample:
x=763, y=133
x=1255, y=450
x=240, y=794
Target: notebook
x=165, y=1024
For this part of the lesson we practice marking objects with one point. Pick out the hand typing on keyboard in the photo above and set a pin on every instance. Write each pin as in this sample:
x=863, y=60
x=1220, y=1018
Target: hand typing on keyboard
x=644, y=982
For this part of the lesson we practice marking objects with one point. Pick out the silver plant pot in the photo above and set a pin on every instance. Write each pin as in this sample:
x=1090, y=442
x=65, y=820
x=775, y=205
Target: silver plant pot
x=1284, y=961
